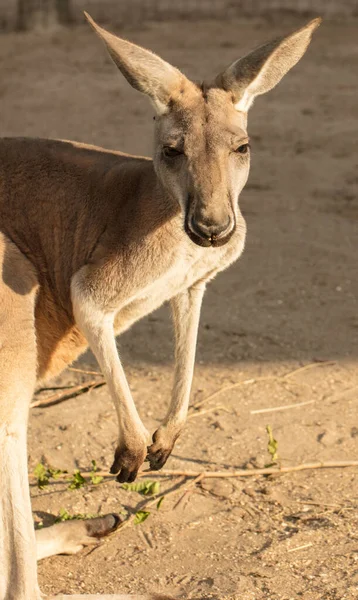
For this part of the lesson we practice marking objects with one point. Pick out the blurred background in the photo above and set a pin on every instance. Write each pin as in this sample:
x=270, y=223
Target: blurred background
x=294, y=290
x=24, y=14
x=291, y=301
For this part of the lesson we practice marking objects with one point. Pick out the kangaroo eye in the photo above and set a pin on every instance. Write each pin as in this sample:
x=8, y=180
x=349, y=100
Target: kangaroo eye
x=243, y=149
x=170, y=152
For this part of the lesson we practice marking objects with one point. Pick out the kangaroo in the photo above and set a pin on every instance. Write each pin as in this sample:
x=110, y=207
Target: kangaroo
x=92, y=240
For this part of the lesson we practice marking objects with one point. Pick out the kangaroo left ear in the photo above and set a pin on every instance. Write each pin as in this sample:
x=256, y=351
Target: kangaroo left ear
x=144, y=70
x=262, y=69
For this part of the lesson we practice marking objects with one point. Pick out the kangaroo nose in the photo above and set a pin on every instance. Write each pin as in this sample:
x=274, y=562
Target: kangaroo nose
x=210, y=231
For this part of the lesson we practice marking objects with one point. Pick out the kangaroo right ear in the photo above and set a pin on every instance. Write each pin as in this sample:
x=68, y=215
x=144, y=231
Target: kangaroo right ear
x=262, y=69
x=144, y=70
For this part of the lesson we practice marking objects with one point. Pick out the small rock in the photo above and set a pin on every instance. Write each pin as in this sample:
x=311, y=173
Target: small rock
x=354, y=432
x=328, y=437
x=218, y=487
x=249, y=492
x=218, y=425
x=279, y=497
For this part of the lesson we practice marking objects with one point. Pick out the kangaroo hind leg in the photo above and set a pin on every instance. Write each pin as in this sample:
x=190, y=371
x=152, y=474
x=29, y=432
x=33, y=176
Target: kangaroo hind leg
x=72, y=536
x=18, y=285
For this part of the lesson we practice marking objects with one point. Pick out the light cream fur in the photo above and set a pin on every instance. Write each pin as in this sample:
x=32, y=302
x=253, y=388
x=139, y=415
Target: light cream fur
x=91, y=241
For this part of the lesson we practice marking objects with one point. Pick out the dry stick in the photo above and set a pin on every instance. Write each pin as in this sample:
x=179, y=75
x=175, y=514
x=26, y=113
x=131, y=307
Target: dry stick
x=75, y=391
x=224, y=474
x=311, y=503
x=190, y=485
x=253, y=472
x=260, y=411
x=148, y=504
x=51, y=388
x=232, y=386
x=281, y=378
x=333, y=397
x=324, y=363
x=85, y=372
x=300, y=547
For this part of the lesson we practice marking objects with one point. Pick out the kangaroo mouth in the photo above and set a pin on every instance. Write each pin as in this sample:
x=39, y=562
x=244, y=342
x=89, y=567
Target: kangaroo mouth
x=206, y=242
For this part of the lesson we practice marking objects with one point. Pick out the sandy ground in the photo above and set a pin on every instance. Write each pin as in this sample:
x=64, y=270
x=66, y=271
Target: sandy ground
x=290, y=301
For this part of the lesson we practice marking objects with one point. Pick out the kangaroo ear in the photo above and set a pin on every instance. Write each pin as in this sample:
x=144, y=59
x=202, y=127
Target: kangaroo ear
x=262, y=69
x=144, y=70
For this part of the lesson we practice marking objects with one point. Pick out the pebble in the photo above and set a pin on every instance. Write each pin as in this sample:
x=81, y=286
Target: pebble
x=218, y=487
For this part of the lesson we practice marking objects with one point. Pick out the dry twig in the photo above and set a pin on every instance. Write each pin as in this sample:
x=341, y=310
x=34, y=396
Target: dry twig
x=253, y=472
x=71, y=393
x=323, y=363
x=187, y=490
x=76, y=370
x=280, y=378
x=232, y=386
x=261, y=411
x=300, y=547
x=224, y=474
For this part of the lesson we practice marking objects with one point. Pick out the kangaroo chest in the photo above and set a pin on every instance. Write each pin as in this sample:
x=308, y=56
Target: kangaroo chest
x=187, y=268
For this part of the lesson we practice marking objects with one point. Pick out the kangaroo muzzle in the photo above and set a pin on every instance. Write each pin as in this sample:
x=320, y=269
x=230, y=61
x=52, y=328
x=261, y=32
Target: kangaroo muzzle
x=204, y=232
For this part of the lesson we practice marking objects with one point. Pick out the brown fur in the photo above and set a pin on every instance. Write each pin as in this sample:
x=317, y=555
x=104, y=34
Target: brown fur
x=67, y=196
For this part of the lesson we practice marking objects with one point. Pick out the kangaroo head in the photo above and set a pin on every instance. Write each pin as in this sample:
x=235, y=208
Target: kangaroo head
x=202, y=150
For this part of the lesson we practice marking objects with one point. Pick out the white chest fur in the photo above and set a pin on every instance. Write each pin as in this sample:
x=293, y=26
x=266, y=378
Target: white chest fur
x=143, y=283
x=190, y=266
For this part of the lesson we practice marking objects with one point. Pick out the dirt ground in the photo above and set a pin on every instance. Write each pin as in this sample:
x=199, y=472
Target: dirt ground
x=290, y=301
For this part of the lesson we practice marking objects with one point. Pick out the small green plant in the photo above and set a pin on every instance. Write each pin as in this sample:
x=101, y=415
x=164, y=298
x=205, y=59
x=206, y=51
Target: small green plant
x=44, y=473
x=141, y=516
x=272, y=447
x=64, y=515
x=146, y=488
x=159, y=503
x=95, y=479
x=42, y=476
x=77, y=481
